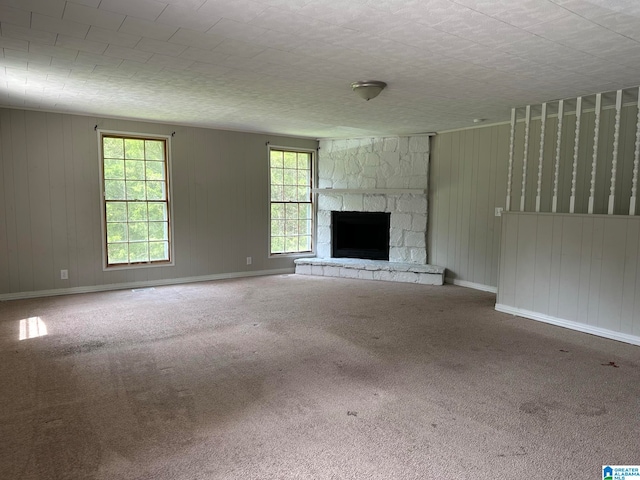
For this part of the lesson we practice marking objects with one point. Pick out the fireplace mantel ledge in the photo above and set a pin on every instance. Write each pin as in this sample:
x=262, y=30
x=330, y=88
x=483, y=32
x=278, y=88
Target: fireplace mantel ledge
x=379, y=191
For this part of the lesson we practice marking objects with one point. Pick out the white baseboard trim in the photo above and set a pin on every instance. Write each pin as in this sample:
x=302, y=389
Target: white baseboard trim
x=141, y=284
x=581, y=327
x=475, y=286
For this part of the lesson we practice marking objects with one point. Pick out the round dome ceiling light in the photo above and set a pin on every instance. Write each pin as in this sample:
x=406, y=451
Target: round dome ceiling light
x=368, y=89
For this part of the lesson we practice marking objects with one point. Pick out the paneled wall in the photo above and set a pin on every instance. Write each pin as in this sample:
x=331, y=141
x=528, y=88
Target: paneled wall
x=467, y=181
x=577, y=271
x=50, y=204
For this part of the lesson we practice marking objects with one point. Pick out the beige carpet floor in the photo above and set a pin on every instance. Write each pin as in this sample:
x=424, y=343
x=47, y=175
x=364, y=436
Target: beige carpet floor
x=297, y=377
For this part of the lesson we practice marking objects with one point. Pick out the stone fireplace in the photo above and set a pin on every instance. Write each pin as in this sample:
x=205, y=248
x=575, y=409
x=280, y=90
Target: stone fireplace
x=387, y=175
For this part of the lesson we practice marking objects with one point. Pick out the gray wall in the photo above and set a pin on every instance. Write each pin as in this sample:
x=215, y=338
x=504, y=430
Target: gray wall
x=467, y=181
x=580, y=271
x=50, y=206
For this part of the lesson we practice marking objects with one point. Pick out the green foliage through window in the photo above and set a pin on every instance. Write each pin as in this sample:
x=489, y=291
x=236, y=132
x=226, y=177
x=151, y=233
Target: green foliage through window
x=136, y=200
x=291, y=201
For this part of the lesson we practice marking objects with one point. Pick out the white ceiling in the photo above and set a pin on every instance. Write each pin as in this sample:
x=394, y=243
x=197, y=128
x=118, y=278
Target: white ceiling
x=285, y=66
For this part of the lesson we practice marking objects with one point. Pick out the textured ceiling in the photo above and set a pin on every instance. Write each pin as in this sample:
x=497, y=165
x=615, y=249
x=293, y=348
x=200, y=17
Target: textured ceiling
x=285, y=66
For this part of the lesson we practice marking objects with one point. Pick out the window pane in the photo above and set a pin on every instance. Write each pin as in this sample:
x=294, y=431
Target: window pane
x=303, y=177
x=134, y=148
x=137, y=211
x=136, y=190
x=135, y=170
x=305, y=211
x=116, y=232
x=277, y=244
x=303, y=194
x=291, y=244
x=158, y=251
x=304, y=243
x=118, y=253
x=291, y=227
x=290, y=176
x=277, y=158
x=276, y=193
x=158, y=231
x=157, y=212
x=304, y=227
x=277, y=227
x=113, y=147
x=114, y=190
x=139, y=232
x=139, y=252
x=304, y=161
x=154, y=150
x=155, y=191
x=277, y=210
x=290, y=193
x=291, y=211
x=276, y=176
x=290, y=160
x=155, y=170
x=114, y=169
x=116, y=212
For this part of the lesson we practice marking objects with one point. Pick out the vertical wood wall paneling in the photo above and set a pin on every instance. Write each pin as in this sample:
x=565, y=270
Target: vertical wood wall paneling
x=593, y=274
x=57, y=187
x=594, y=158
x=614, y=157
x=543, y=124
x=496, y=191
x=586, y=245
x=556, y=169
x=576, y=146
x=636, y=164
x=464, y=211
x=23, y=199
x=527, y=125
x=455, y=187
x=4, y=254
x=556, y=259
x=570, y=267
x=542, y=266
x=629, y=276
x=8, y=240
x=612, y=273
x=70, y=200
x=510, y=167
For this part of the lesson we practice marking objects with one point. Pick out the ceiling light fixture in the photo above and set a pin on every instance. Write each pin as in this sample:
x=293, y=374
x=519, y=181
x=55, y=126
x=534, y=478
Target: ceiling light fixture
x=369, y=89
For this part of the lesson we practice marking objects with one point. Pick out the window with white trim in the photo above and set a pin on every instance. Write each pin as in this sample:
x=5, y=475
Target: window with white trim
x=135, y=188
x=291, y=180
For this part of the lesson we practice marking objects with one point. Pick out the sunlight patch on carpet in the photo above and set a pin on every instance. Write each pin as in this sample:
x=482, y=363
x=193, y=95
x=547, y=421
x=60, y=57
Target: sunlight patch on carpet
x=32, y=327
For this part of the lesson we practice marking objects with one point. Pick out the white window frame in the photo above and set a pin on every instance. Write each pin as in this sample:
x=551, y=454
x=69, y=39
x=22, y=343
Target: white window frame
x=169, y=183
x=314, y=202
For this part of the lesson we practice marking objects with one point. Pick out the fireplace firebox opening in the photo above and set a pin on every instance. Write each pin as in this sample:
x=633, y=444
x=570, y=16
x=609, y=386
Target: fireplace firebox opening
x=360, y=235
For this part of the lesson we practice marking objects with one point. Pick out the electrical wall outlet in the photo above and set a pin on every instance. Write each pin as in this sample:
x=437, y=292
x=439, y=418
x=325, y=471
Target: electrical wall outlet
x=499, y=211
x=249, y=260
x=64, y=274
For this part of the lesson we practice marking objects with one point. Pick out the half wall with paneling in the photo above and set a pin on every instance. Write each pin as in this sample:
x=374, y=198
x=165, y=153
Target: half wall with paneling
x=570, y=241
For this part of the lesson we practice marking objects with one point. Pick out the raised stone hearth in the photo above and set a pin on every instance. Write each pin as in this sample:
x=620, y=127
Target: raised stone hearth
x=371, y=270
